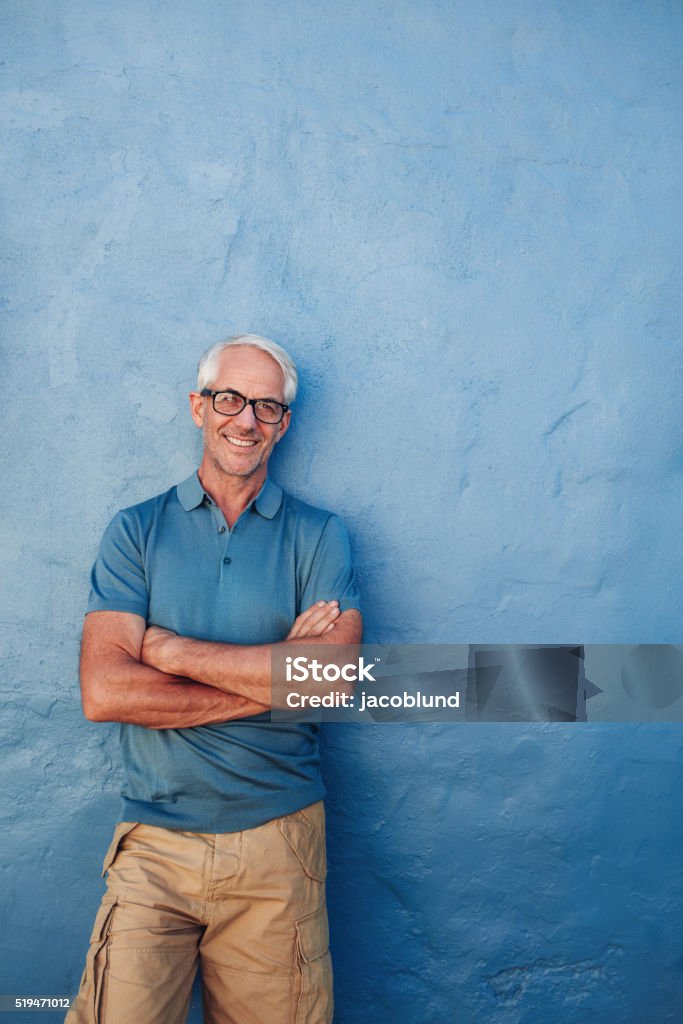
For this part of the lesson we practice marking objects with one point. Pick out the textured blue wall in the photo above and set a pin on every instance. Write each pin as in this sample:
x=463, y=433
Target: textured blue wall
x=464, y=220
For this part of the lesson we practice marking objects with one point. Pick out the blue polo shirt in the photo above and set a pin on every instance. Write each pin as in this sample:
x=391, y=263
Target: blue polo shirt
x=173, y=561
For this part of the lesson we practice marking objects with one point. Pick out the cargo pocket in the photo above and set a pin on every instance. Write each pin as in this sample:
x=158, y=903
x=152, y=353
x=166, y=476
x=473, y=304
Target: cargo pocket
x=121, y=830
x=90, y=996
x=307, y=843
x=315, y=1002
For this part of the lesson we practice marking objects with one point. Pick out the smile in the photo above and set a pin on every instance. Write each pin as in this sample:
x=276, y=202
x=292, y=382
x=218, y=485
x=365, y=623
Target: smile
x=239, y=442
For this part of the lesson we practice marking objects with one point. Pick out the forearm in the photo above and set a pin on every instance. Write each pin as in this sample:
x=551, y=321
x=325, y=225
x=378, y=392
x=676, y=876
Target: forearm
x=232, y=669
x=237, y=669
x=126, y=691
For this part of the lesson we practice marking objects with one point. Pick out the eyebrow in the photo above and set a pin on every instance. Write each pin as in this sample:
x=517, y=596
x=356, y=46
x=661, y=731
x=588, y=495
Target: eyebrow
x=261, y=398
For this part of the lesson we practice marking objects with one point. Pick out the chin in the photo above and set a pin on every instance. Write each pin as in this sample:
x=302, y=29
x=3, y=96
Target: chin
x=235, y=469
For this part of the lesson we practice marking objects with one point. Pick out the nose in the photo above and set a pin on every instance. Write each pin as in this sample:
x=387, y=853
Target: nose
x=246, y=418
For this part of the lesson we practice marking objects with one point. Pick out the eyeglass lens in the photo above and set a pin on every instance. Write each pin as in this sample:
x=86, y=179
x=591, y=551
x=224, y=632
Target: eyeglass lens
x=230, y=404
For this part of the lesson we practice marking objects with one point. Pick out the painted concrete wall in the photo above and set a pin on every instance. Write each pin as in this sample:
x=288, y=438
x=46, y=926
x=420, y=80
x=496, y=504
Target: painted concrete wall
x=463, y=219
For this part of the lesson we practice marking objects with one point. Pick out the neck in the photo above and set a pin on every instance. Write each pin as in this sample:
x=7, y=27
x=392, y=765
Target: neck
x=232, y=494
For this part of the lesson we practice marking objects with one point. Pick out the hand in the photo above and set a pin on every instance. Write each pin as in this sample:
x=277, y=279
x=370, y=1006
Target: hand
x=315, y=621
x=154, y=646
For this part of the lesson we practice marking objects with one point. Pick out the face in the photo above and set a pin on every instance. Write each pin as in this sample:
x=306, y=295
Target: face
x=240, y=445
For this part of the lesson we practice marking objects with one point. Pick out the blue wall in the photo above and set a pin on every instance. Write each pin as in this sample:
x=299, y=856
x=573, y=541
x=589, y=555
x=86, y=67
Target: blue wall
x=464, y=220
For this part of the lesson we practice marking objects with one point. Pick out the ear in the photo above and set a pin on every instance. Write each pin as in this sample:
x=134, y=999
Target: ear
x=197, y=407
x=283, y=425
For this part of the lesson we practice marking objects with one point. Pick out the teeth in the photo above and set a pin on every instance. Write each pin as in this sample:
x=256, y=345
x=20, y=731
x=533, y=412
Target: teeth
x=241, y=443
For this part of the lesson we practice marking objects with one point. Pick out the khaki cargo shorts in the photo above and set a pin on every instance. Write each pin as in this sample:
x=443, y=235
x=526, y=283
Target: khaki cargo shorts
x=248, y=907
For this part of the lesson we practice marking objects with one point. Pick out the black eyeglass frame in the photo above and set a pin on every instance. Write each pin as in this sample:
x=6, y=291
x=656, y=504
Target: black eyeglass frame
x=208, y=393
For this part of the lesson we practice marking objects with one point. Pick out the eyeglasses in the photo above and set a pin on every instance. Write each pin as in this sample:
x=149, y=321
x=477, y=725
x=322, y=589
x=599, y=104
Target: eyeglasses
x=231, y=403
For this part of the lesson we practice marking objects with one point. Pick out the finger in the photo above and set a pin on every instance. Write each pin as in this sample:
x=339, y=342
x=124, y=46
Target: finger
x=323, y=611
x=308, y=623
x=317, y=626
x=316, y=611
x=300, y=621
x=318, y=629
x=324, y=625
x=299, y=625
x=329, y=611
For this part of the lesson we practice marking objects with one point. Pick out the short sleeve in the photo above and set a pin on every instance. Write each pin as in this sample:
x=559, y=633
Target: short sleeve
x=331, y=577
x=117, y=581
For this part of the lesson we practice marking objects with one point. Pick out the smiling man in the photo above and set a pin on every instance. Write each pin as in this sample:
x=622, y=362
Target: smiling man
x=219, y=859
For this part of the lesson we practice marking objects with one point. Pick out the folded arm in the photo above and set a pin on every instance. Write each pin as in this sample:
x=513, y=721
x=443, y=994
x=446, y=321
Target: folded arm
x=116, y=687
x=245, y=671
x=124, y=681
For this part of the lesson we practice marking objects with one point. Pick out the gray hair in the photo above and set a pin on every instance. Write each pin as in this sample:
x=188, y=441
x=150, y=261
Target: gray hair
x=208, y=363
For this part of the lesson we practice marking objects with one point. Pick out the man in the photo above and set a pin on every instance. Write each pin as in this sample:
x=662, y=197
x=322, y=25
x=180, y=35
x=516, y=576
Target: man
x=220, y=856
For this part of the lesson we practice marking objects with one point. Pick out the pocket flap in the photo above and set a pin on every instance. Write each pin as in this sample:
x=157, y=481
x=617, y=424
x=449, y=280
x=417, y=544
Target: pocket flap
x=313, y=934
x=307, y=844
x=121, y=830
x=102, y=923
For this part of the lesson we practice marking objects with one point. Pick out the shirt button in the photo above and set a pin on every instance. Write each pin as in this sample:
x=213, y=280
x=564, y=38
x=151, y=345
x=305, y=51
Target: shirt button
x=227, y=561
x=221, y=529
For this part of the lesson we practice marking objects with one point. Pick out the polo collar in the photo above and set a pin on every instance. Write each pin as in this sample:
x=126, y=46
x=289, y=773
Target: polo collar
x=191, y=494
x=268, y=499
